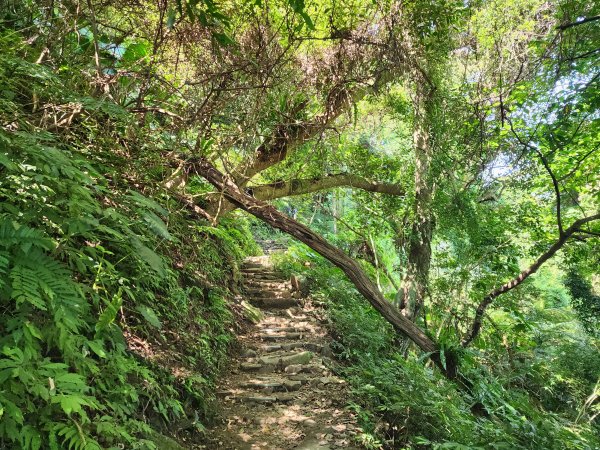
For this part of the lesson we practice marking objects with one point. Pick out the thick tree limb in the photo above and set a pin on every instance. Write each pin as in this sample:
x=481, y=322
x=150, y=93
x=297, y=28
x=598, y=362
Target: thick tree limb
x=563, y=238
x=363, y=284
x=307, y=185
x=566, y=26
x=280, y=189
x=291, y=133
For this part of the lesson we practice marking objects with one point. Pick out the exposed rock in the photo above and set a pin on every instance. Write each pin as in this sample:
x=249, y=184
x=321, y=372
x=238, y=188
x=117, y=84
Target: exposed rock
x=249, y=353
x=287, y=360
x=280, y=337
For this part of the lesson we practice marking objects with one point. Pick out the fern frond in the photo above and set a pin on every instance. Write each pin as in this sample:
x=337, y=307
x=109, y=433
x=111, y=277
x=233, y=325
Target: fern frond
x=4, y=263
x=11, y=234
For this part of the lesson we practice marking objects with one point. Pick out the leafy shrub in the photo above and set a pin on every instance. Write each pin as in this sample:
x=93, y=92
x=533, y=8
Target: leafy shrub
x=404, y=403
x=95, y=278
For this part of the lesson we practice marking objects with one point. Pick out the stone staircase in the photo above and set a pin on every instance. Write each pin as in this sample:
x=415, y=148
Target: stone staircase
x=270, y=246
x=282, y=394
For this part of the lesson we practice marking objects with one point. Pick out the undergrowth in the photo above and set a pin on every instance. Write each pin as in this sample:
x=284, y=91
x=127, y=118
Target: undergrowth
x=115, y=320
x=404, y=403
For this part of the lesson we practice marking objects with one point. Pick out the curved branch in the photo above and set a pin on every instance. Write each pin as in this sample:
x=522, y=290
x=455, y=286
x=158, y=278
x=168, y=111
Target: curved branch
x=292, y=132
x=302, y=186
x=488, y=299
x=549, y=170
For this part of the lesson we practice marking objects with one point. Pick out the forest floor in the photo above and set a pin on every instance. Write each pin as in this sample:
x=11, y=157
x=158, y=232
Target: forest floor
x=280, y=392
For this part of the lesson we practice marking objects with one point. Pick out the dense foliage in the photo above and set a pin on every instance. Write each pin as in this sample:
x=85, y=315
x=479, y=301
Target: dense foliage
x=451, y=148
x=535, y=395
x=114, y=318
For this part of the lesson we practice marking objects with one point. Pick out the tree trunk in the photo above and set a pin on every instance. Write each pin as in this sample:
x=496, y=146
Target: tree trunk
x=414, y=284
x=363, y=284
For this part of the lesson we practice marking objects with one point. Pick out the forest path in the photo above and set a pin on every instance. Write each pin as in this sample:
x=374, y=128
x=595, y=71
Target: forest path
x=281, y=393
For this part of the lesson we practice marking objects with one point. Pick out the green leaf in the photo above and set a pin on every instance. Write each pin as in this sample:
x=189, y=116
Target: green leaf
x=149, y=257
x=109, y=314
x=149, y=315
x=136, y=52
x=157, y=225
x=443, y=357
x=147, y=203
x=171, y=17
x=70, y=403
x=33, y=330
x=97, y=348
x=223, y=38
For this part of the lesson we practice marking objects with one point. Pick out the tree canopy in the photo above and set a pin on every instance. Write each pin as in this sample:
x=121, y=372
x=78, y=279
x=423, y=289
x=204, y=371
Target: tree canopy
x=433, y=168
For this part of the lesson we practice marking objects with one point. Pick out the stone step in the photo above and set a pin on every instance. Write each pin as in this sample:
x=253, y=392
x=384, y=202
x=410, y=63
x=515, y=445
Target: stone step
x=286, y=359
x=270, y=386
x=254, y=265
x=315, y=369
x=267, y=285
x=268, y=293
x=289, y=370
x=258, y=270
x=271, y=286
x=302, y=378
x=280, y=347
x=285, y=397
x=269, y=328
x=280, y=337
x=254, y=367
x=275, y=303
x=314, y=347
x=269, y=276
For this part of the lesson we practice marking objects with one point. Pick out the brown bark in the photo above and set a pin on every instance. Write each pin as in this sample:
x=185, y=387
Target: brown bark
x=363, y=284
x=488, y=299
x=307, y=185
x=291, y=133
x=303, y=186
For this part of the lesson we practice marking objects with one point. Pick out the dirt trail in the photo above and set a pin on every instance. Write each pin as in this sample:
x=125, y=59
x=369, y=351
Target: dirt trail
x=281, y=393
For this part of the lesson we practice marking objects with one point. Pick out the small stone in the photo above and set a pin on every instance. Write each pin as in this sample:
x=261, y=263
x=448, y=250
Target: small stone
x=278, y=337
x=285, y=398
x=292, y=385
x=332, y=429
x=331, y=380
x=259, y=399
x=271, y=348
x=294, y=369
x=326, y=351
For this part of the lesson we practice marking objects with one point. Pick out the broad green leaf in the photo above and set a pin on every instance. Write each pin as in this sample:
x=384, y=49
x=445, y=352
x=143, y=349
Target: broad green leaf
x=150, y=316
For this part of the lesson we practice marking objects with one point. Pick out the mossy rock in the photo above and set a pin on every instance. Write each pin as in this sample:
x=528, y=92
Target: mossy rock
x=252, y=313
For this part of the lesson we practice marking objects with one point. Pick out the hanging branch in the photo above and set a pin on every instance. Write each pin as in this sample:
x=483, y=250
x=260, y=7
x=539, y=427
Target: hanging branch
x=566, y=26
x=95, y=40
x=546, y=165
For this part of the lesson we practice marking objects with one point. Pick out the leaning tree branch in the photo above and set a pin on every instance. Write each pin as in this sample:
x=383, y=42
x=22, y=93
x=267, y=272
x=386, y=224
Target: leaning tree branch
x=291, y=132
x=351, y=268
x=556, y=191
x=566, y=26
x=302, y=186
x=488, y=299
